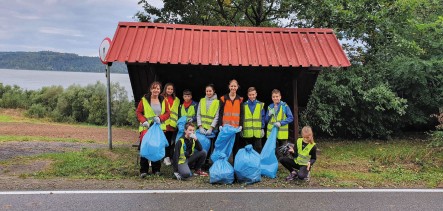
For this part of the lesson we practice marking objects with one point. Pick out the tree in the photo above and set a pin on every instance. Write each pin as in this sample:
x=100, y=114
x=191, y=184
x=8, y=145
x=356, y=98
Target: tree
x=395, y=46
x=217, y=12
x=400, y=43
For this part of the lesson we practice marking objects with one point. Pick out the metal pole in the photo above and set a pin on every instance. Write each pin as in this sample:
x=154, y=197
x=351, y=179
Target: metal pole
x=295, y=111
x=108, y=97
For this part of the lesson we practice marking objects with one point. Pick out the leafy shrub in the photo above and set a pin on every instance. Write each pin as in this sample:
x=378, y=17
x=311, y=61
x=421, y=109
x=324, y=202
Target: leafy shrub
x=47, y=96
x=436, y=139
x=437, y=136
x=75, y=104
x=353, y=103
x=37, y=110
x=13, y=97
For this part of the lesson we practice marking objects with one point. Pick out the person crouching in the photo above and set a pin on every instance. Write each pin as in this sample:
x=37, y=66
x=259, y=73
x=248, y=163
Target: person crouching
x=188, y=152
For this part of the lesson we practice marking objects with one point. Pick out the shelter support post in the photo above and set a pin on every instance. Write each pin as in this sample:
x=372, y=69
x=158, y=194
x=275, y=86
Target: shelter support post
x=108, y=99
x=295, y=101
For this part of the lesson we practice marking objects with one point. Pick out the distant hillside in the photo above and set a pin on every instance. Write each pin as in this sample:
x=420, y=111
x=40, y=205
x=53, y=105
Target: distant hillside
x=48, y=60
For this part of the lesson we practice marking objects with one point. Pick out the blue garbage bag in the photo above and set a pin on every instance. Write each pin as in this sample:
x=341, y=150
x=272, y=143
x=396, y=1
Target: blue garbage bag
x=247, y=165
x=154, y=143
x=225, y=141
x=180, y=127
x=268, y=159
x=221, y=171
x=204, y=140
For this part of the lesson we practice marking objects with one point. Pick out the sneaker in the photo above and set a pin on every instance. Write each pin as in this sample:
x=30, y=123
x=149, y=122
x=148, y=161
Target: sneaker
x=308, y=177
x=150, y=163
x=143, y=175
x=167, y=161
x=200, y=173
x=291, y=176
x=157, y=173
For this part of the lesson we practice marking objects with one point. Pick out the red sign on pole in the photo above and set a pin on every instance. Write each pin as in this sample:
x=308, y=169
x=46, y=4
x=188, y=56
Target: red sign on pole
x=103, y=50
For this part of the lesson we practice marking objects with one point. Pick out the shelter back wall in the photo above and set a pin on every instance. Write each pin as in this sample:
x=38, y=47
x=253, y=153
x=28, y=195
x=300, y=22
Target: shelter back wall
x=195, y=78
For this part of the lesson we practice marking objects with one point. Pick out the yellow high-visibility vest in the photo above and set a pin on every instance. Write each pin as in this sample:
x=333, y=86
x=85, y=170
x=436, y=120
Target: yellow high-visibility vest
x=303, y=154
x=173, y=117
x=283, y=132
x=208, y=116
x=149, y=114
x=252, y=122
x=190, y=113
x=182, y=157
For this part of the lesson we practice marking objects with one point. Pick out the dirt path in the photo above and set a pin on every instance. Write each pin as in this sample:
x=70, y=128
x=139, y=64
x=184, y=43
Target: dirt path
x=66, y=131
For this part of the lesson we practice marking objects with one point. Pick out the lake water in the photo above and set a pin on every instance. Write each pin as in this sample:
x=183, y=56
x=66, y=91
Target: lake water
x=34, y=79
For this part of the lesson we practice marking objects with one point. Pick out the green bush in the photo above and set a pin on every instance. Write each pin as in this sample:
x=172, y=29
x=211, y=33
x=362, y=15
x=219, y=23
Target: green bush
x=95, y=105
x=353, y=103
x=37, y=110
x=47, y=96
x=123, y=110
x=13, y=97
x=75, y=104
x=436, y=139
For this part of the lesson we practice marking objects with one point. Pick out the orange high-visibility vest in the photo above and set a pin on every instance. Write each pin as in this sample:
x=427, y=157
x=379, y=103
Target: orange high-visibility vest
x=231, y=112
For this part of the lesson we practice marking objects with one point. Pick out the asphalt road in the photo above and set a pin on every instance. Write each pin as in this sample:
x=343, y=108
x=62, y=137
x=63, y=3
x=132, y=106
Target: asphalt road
x=428, y=199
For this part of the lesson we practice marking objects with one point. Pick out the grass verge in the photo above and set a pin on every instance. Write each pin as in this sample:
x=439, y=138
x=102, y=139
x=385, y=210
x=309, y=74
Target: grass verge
x=343, y=164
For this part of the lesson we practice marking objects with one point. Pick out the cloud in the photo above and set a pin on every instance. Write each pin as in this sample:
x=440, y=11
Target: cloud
x=61, y=31
x=62, y=25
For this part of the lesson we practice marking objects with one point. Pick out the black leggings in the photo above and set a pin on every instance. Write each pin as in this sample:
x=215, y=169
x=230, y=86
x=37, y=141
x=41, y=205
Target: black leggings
x=290, y=164
x=169, y=151
x=144, y=165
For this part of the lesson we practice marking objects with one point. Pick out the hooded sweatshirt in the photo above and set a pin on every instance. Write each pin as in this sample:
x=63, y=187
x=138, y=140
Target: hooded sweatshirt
x=208, y=105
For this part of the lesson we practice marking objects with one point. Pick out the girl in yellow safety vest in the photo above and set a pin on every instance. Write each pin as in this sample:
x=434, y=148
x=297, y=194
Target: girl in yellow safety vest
x=172, y=102
x=150, y=109
x=305, y=155
x=207, y=112
x=207, y=116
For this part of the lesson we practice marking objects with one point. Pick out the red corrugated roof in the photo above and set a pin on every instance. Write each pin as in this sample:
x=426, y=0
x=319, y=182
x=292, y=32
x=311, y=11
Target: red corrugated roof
x=224, y=45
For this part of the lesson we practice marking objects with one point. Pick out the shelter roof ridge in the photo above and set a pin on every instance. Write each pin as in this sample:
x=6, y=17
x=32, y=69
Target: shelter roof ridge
x=161, y=43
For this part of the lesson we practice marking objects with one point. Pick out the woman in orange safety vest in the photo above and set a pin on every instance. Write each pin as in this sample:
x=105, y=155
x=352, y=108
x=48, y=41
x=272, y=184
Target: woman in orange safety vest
x=231, y=111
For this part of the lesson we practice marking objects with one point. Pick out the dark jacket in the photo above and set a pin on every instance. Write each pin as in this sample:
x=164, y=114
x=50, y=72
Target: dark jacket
x=178, y=146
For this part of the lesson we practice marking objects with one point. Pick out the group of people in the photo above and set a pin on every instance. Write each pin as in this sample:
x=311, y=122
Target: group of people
x=251, y=117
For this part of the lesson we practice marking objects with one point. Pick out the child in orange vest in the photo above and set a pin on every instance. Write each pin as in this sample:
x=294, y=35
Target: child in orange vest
x=231, y=112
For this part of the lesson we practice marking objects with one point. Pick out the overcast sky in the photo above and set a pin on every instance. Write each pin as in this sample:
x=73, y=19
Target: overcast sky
x=68, y=26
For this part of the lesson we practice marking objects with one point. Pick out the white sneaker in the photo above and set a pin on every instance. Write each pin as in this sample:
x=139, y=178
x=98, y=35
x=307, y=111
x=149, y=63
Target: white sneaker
x=150, y=163
x=167, y=161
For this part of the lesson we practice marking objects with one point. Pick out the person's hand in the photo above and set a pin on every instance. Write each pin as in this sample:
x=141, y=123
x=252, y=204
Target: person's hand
x=193, y=136
x=291, y=150
x=157, y=119
x=240, y=128
x=277, y=124
x=209, y=131
x=202, y=131
x=262, y=133
x=178, y=176
x=220, y=128
x=146, y=124
x=309, y=166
